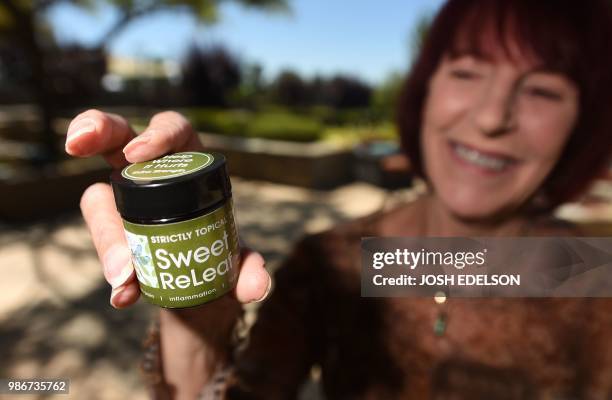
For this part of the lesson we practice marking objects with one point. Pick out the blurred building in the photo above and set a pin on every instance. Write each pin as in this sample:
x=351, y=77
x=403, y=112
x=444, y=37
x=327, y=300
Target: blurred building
x=123, y=69
x=139, y=81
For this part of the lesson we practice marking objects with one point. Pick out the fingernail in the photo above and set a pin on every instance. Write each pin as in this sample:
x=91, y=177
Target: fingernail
x=114, y=293
x=141, y=140
x=268, y=289
x=80, y=128
x=118, y=266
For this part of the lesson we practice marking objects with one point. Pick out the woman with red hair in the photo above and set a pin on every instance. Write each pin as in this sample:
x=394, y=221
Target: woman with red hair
x=507, y=113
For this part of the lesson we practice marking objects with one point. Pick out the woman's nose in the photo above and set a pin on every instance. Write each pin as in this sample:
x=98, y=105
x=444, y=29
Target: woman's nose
x=494, y=114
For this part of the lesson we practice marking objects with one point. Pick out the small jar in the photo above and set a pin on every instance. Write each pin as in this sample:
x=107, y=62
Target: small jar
x=178, y=217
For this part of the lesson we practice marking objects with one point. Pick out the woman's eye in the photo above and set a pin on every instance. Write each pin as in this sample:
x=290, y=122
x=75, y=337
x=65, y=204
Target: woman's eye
x=543, y=93
x=464, y=74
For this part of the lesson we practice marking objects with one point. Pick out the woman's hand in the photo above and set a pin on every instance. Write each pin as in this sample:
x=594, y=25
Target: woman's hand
x=191, y=345
x=96, y=133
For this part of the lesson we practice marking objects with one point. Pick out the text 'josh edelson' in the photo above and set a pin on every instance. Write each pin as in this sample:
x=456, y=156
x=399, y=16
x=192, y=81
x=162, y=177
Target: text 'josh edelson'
x=485, y=267
x=431, y=258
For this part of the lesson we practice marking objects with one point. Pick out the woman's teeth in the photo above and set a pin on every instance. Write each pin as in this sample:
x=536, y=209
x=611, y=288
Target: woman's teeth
x=477, y=158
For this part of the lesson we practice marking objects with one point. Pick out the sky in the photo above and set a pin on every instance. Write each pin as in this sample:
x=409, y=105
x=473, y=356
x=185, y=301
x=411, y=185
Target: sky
x=368, y=39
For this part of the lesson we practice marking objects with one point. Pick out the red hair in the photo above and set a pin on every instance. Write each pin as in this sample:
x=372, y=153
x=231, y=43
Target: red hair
x=566, y=36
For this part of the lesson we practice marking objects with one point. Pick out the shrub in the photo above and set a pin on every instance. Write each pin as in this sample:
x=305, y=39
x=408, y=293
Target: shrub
x=276, y=124
x=283, y=126
x=228, y=122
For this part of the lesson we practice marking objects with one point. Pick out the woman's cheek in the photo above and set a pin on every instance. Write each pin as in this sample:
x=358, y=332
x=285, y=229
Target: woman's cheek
x=447, y=101
x=545, y=135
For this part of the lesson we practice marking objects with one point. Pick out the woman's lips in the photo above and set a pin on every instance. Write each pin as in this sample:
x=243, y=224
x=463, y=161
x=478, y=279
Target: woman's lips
x=486, y=162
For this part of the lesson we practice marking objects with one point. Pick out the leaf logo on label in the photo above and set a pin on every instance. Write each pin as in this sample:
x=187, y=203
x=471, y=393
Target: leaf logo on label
x=142, y=259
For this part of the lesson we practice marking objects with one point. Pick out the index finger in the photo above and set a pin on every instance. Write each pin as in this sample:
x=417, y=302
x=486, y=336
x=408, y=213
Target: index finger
x=95, y=132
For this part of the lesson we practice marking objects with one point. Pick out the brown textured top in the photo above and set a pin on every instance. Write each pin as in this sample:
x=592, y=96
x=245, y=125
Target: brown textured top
x=386, y=348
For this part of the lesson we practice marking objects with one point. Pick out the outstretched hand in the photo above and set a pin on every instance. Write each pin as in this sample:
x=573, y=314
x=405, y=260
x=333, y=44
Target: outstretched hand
x=97, y=133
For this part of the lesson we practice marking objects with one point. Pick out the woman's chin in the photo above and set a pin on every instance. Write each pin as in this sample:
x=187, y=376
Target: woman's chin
x=475, y=215
x=474, y=208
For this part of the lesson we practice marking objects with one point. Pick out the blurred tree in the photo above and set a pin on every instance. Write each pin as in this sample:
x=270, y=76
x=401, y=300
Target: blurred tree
x=289, y=89
x=209, y=75
x=316, y=90
x=385, y=96
x=339, y=91
x=346, y=92
x=23, y=21
x=251, y=91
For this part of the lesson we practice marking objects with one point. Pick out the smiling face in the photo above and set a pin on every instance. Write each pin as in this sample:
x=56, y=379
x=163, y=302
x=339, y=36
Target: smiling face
x=492, y=130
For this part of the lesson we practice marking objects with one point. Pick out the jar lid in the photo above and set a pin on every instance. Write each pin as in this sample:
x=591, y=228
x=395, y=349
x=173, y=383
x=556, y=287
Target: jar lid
x=171, y=186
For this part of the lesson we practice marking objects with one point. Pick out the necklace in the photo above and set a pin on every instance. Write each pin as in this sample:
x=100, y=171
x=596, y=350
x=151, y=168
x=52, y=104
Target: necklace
x=441, y=322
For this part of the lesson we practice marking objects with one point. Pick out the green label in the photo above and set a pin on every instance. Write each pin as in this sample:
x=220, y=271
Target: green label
x=186, y=263
x=169, y=166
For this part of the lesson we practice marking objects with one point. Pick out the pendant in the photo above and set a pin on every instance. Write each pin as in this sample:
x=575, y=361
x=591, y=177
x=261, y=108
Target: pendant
x=439, y=326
